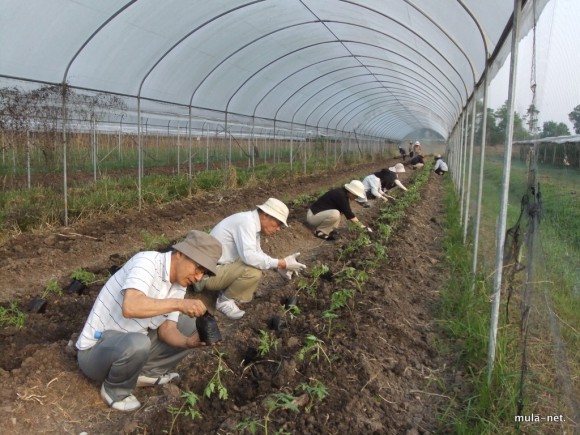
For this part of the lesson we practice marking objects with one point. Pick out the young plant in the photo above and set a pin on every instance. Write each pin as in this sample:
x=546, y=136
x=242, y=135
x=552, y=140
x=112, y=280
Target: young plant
x=51, y=287
x=315, y=347
x=12, y=316
x=188, y=408
x=272, y=403
x=267, y=342
x=316, y=391
x=318, y=271
x=83, y=276
x=215, y=383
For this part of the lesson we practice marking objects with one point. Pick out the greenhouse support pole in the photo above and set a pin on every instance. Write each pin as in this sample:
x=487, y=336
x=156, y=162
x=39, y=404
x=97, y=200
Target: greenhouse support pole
x=178, y=149
x=64, y=150
x=469, y=168
x=464, y=160
x=480, y=186
x=139, y=151
x=94, y=140
x=190, y=146
x=28, y=157
x=501, y=227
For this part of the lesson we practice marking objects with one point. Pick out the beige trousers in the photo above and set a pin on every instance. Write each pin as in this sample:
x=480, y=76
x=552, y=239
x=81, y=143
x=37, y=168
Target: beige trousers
x=236, y=280
x=325, y=221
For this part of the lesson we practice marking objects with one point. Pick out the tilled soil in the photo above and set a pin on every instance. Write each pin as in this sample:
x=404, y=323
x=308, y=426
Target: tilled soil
x=377, y=360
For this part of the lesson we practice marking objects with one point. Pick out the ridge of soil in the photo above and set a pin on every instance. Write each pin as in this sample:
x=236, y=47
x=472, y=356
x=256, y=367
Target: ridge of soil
x=383, y=373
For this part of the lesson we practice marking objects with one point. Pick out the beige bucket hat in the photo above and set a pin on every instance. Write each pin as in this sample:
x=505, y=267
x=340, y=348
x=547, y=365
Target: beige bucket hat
x=398, y=168
x=275, y=208
x=202, y=248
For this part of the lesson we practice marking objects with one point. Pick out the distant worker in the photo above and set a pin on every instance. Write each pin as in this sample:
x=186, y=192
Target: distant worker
x=440, y=167
x=417, y=162
x=324, y=213
x=566, y=162
x=242, y=262
x=410, y=149
x=377, y=183
x=402, y=152
x=417, y=148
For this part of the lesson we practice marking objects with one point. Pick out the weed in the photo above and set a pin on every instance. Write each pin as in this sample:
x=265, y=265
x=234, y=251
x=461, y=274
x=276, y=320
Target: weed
x=12, y=316
x=52, y=287
x=83, y=276
x=153, y=242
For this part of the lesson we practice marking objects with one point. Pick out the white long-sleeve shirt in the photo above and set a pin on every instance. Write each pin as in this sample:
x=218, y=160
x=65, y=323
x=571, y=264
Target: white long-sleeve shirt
x=239, y=235
x=372, y=183
x=441, y=164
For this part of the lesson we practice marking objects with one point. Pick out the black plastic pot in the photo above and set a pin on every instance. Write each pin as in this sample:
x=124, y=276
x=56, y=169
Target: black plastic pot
x=114, y=269
x=250, y=356
x=207, y=328
x=289, y=301
x=37, y=305
x=276, y=323
x=76, y=286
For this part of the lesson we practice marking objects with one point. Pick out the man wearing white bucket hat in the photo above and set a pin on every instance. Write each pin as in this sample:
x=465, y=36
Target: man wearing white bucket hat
x=240, y=267
x=324, y=213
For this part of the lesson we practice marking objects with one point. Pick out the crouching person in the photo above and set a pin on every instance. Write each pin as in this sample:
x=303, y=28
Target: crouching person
x=440, y=167
x=324, y=213
x=140, y=326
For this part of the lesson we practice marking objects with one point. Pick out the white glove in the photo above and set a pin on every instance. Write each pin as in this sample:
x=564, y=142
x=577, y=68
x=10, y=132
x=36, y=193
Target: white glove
x=292, y=264
x=368, y=229
x=285, y=273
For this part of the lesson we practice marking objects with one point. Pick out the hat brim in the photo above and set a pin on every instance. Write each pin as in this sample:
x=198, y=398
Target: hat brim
x=271, y=212
x=355, y=193
x=197, y=256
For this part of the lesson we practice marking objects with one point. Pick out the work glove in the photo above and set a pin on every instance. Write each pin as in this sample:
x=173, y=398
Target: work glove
x=285, y=273
x=292, y=264
x=368, y=229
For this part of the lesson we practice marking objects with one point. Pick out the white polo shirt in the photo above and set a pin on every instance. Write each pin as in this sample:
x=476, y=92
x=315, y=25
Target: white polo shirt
x=147, y=272
x=239, y=235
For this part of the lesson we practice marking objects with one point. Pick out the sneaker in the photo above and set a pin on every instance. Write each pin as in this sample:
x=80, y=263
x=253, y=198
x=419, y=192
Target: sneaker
x=147, y=381
x=229, y=308
x=129, y=403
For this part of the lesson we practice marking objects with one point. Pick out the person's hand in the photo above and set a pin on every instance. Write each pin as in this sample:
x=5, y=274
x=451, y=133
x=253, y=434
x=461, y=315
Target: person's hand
x=193, y=307
x=292, y=264
x=368, y=229
x=194, y=341
x=285, y=273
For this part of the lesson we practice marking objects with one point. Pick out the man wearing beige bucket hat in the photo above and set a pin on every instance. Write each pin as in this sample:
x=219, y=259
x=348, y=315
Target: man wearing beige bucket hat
x=242, y=263
x=141, y=325
x=324, y=213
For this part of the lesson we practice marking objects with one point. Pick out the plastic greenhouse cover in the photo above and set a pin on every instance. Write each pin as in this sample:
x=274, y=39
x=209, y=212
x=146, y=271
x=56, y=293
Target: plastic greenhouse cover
x=384, y=68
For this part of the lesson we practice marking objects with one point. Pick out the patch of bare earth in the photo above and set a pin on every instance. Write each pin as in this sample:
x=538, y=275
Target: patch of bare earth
x=382, y=372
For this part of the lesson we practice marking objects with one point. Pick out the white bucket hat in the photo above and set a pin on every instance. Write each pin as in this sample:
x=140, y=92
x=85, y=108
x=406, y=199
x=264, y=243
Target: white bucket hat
x=275, y=208
x=356, y=188
x=417, y=143
x=398, y=168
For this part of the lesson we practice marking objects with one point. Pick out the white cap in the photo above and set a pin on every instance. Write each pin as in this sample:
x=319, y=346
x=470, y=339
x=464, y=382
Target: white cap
x=275, y=208
x=398, y=168
x=356, y=188
x=417, y=143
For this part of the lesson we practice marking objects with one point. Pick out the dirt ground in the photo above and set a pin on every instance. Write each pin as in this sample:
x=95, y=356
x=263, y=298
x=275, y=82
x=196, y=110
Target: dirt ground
x=381, y=366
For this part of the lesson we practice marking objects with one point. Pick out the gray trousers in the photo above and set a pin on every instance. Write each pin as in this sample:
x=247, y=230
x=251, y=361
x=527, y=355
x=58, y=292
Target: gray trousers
x=119, y=358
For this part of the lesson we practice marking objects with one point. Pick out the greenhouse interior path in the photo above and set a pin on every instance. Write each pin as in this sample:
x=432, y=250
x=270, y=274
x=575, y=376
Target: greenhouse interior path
x=382, y=369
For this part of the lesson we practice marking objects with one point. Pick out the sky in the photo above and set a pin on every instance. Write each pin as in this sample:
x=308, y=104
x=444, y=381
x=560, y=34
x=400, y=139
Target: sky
x=557, y=66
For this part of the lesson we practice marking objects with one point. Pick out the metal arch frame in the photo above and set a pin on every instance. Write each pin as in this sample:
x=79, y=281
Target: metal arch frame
x=402, y=110
x=372, y=111
x=427, y=80
x=357, y=113
x=343, y=42
x=378, y=119
x=413, y=92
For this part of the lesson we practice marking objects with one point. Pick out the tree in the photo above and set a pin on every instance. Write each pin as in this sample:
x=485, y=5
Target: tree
x=553, y=129
x=501, y=115
x=574, y=117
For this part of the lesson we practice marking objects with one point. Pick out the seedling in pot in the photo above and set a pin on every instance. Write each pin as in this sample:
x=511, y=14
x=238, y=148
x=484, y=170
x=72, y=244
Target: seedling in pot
x=276, y=323
x=80, y=280
x=267, y=342
x=39, y=303
x=12, y=316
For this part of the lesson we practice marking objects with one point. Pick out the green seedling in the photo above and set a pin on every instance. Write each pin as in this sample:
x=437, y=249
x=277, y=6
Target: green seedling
x=153, y=242
x=267, y=342
x=12, y=316
x=52, y=287
x=272, y=403
x=317, y=272
x=316, y=391
x=188, y=408
x=292, y=311
x=215, y=383
x=315, y=347
x=83, y=276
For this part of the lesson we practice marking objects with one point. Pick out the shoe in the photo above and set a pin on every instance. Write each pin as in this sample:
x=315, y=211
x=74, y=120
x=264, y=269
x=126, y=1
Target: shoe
x=129, y=403
x=229, y=308
x=334, y=234
x=324, y=236
x=366, y=205
x=147, y=381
